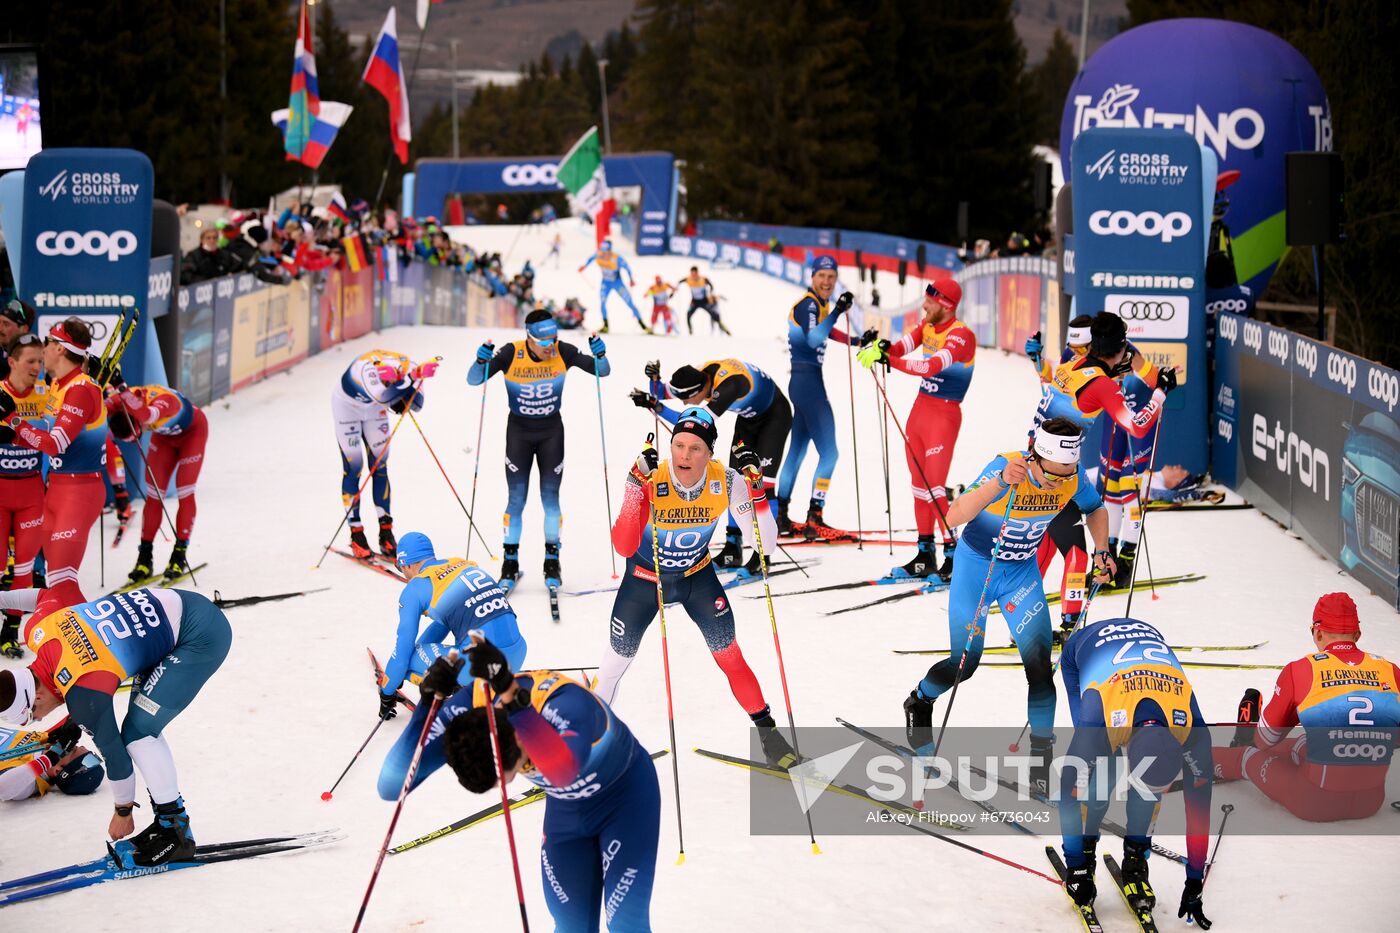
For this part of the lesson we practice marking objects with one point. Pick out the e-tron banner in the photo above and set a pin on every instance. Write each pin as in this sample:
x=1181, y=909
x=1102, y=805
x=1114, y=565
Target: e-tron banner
x=1309, y=435
x=1139, y=251
x=87, y=242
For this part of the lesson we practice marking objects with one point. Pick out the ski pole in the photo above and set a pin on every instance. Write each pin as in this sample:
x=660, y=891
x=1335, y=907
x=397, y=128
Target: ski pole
x=1226, y=809
x=505, y=803
x=1080, y=623
x=976, y=626
x=855, y=447
x=476, y=467
x=1151, y=467
x=443, y=471
x=885, y=460
x=794, y=562
x=923, y=477
x=354, y=500
x=327, y=794
x=403, y=795
x=666, y=666
x=603, y=439
x=102, y=551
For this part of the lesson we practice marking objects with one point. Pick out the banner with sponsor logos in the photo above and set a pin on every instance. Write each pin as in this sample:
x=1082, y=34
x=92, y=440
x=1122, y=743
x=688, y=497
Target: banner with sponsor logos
x=877, y=249
x=1140, y=234
x=771, y=264
x=1309, y=434
x=357, y=303
x=271, y=329
x=86, y=243
x=196, y=310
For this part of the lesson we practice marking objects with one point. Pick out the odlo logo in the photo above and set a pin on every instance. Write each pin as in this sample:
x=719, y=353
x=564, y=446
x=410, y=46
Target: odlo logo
x=1287, y=450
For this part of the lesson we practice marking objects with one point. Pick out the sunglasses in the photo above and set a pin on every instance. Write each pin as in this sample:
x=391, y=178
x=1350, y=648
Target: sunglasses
x=27, y=340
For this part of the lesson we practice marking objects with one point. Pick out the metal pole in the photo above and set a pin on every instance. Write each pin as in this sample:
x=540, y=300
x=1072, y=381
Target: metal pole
x=603, y=91
x=1083, y=34
x=455, y=154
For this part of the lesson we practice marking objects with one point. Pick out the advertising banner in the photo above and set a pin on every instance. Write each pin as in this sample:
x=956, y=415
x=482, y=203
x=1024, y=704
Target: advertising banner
x=196, y=309
x=1309, y=435
x=356, y=303
x=1019, y=310
x=330, y=329
x=271, y=327
x=221, y=382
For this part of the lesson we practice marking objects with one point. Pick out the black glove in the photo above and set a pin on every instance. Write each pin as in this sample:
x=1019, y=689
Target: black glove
x=1166, y=380
x=843, y=304
x=1079, y=884
x=490, y=665
x=747, y=461
x=1191, y=903
x=441, y=677
x=7, y=433
x=643, y=399
x=114, y=376
x=647, y=462
x=653, y=369
x=388, y=705
x=870, y=336
x=7, y=405
x=66, y=736
x=401, y=406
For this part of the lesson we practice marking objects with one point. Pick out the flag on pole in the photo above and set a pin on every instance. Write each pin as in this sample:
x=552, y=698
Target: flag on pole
x=581, y=173
x=355, y=256
x=337, y=209
x=304, y=103
x=384, y=73
x=323, y=129
x=423, y=13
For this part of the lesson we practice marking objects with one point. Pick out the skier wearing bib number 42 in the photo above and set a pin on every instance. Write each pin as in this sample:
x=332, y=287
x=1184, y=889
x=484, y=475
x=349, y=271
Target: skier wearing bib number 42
x=534, y=370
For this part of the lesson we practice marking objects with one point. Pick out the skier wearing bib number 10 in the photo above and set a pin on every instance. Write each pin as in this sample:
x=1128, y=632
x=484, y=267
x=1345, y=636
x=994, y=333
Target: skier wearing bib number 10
x=534, y=370
x=1007, y=510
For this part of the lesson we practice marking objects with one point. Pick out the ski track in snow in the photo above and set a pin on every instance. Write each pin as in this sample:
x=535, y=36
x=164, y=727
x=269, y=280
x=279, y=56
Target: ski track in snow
x=295, y=699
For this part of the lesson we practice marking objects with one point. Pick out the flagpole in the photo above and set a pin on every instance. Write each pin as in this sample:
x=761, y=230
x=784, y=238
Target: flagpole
x=412, y=72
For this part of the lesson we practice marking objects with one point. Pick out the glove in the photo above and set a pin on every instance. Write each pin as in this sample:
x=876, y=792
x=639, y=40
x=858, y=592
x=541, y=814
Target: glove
x=1079, y=884
x=389, y=375
x=7, y=434
x=878, y=352
x=1191, y=903
x=490, y=665
x=843, y=304
x=1033, y=346
x=653, y=369
x=643, y=399
x=597, y=347
x=401, y=406
x=647, y=462
x=485, y=352
x=66, y=736
x=7, y=405
x=747, y=461
x=1166, y=380
x=388, y=705
x=424, y=370
x=870, y=336
x=441, y=677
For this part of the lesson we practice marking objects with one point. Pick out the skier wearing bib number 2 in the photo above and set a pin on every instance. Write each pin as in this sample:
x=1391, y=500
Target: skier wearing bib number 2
x=534, y=371
x=996, y=562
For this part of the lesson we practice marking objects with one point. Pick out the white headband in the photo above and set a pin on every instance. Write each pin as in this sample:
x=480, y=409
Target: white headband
x=20, y=710
x=1078, y=336
x=1057, y=447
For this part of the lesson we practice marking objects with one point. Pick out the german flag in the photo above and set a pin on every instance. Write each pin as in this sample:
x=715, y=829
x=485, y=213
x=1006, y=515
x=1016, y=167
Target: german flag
x=355, y=256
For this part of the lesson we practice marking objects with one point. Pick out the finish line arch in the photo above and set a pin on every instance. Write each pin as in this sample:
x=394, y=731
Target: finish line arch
x=654, y=172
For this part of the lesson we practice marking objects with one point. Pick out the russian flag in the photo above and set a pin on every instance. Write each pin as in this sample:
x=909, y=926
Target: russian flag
x=323, y=129
x=304, y=103
x=384, y=73
x=336, y=208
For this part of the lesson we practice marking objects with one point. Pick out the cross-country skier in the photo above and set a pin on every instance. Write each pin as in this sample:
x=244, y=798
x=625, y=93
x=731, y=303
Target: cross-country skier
x=375, y=384
x=457, y=596
x=534, y=370
x=59, y=762
x=1126, y=690
x=763, y=419
x=660, y=294
x=179, y=433
x=612, y=266
x=1317, y=775
x=170, y=642
x=996, y=562
x=21, y=485
x=670, y=509
x=1125, y=463
x=810, y=324
x=949, y=348
x=702, y=298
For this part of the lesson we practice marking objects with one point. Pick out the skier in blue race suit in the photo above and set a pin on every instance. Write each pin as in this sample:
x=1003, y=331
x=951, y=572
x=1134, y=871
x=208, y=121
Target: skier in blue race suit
x=612, y=266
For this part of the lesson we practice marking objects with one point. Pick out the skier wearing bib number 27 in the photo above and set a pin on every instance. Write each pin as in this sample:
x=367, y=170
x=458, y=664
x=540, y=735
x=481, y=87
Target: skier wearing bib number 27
x=669, y=512
x=1007, y=510
x=534, y=371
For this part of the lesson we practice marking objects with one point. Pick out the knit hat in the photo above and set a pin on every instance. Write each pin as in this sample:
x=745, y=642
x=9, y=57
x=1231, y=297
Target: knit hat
x=699, y=422
x=413, y=547
x=1336, y=612
x=686, y=381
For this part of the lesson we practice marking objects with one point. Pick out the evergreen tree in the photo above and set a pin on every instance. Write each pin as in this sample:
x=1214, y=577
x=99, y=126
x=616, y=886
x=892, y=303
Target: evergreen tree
x=663, y=110
x=1051, y=80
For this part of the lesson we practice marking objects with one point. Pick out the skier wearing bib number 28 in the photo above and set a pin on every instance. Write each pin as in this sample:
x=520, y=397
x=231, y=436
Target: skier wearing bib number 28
x=534, y=370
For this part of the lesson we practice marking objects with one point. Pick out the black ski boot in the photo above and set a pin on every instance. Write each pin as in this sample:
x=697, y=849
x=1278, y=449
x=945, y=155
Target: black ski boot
x=179, y=564
x=387, y=545
x=553, y=575
x=10, y=644
x=918, y=722
x=815, y=526
x=1136, y=887
x=168, y=839
x=1067, y=623
x=359, y=545
x=945, y=569
x=145, y=563
x=753, y=568
x=1247, y=719
x=733, y=553
x=784, y=522
x=776, y=750
x=510, y=566
x=1127, y=554
x=922, y=566
x=1080, y=883
x=1042, y=753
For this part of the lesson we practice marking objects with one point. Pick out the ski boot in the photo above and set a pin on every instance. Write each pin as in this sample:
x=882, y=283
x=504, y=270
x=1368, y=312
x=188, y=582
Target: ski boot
x=1136, y=887
x=10, y=644
x=1124, y=575
x=179, y=564
x=1042, y=753
x=785, y=525
x=359, y=545
x=945, y=569
x=121, y=503
x=387, y=545
x=1247, y=720
x=168, y=839
x=1080, y=883
x=145, y=563
x=776, y=750
x=1067, y=623
x=604, y=328
x=918, y=722
x=817, y=528
x=733, y=554
x=553, y=575
x=510, y=567
x=646, y=327
x=921, y=567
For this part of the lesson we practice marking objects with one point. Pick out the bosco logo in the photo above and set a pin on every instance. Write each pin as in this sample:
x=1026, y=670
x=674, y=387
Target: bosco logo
x=518, y=175
x=1229, y=329
x=1341, y=369
x=1384, y=386
x=1305, y=355
x=1253, y=336
x=1278, y=345
x=113, y=245
x=1150, y=224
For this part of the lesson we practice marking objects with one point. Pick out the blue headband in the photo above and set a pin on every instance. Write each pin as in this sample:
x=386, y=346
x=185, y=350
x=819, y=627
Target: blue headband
x=544, y=331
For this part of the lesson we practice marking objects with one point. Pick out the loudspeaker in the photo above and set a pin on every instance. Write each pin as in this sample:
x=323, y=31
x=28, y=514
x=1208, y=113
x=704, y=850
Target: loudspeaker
x=1314, y=183
x=920, y=257
x=903, y=270
x=1042, y=186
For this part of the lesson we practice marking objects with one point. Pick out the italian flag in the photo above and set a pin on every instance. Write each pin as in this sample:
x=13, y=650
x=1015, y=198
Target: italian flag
x=581, y=173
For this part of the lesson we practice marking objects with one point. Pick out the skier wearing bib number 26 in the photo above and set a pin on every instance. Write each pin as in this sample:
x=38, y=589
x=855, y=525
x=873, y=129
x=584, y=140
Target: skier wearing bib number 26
x=534, y=371
x=669, y=512
x=1007, y=510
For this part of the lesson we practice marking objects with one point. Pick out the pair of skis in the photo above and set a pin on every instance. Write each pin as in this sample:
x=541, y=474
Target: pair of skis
x=1012, y=649
x=157, y=579
x=1088, y=916
x=553, y=589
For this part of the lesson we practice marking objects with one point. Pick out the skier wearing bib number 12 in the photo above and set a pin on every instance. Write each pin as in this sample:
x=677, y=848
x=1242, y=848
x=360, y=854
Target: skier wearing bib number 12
x=534, y=370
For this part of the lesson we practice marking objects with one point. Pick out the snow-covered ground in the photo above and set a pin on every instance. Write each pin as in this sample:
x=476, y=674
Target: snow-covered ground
x=294, y=699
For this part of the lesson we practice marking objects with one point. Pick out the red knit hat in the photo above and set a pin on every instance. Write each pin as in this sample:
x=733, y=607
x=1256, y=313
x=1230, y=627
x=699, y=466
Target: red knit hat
x=1336, y=612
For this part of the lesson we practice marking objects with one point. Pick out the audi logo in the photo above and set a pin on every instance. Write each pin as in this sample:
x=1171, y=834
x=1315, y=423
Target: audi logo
x=1146, y=311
